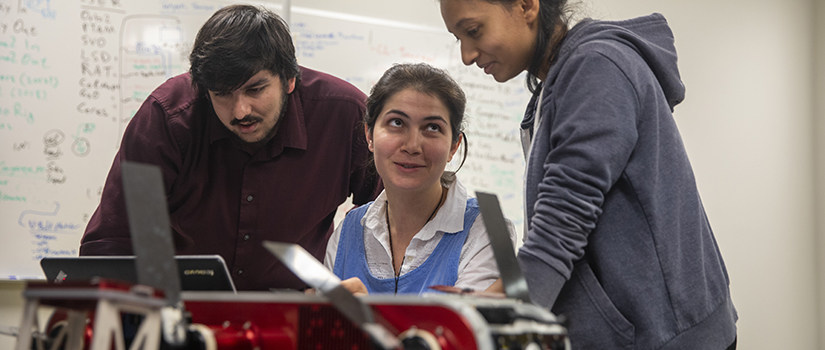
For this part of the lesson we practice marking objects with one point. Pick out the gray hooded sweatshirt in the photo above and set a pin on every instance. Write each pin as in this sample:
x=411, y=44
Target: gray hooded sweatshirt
x=618, y=241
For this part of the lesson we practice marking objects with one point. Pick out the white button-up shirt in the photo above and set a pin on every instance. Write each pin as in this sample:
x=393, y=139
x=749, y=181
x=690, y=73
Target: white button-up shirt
x=477, y=268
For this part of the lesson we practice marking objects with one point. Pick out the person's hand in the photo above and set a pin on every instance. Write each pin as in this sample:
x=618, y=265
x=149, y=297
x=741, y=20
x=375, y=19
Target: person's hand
x=355, y=286
x=496, y=290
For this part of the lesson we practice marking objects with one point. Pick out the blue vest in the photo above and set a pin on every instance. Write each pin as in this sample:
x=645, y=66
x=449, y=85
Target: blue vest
x=441, y=267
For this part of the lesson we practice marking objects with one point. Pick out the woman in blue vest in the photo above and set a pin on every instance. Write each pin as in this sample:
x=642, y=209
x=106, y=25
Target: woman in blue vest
x=423, y=229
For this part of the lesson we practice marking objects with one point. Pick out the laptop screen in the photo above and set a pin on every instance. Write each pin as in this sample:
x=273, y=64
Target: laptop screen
x=196, y=272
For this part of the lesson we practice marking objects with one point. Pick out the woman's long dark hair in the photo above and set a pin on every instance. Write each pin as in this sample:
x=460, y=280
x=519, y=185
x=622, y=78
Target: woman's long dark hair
x=425, y=79
x=552, y=15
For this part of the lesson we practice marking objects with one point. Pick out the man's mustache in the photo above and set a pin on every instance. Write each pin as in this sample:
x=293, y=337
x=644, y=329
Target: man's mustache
x=247, y=119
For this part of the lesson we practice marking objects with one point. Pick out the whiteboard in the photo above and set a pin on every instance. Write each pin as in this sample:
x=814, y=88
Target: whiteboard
x=73, y=73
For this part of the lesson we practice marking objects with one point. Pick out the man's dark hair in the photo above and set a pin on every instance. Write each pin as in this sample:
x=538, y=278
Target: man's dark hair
x=237, y=42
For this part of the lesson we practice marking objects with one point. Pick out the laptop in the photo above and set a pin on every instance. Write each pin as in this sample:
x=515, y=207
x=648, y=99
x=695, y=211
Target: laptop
x=196, y=272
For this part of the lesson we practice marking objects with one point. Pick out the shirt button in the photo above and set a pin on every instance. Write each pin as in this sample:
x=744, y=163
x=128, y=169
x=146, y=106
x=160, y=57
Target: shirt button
x=240, y=272
x=246, y=237
x=249, y=198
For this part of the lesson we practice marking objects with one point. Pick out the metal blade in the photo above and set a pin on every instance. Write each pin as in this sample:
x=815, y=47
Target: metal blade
x=304, y=265
x=150, y=230
x=317, y=276
x=515, y=286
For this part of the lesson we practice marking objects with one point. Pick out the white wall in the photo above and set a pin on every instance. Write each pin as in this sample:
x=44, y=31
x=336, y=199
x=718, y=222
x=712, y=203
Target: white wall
x=749, y=121
x=819, y=147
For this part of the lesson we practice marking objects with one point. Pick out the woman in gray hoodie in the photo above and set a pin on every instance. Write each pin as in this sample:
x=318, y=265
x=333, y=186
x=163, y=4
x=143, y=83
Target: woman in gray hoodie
x=617, y=239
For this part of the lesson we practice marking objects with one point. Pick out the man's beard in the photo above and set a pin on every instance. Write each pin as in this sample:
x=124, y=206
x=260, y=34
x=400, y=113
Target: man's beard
x=272, y=131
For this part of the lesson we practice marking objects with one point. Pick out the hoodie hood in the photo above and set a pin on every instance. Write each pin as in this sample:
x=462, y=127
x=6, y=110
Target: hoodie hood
x=650, y=36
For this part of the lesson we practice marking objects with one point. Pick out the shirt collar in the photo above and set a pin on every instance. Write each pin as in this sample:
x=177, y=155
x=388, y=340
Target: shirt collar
x=448, y=219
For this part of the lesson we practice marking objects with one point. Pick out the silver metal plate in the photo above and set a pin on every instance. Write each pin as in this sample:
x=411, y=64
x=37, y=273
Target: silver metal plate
x=150, y=229
x=515, y=286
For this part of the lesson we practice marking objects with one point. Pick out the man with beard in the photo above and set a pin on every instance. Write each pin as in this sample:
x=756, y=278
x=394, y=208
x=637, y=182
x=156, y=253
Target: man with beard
x=252, y=148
